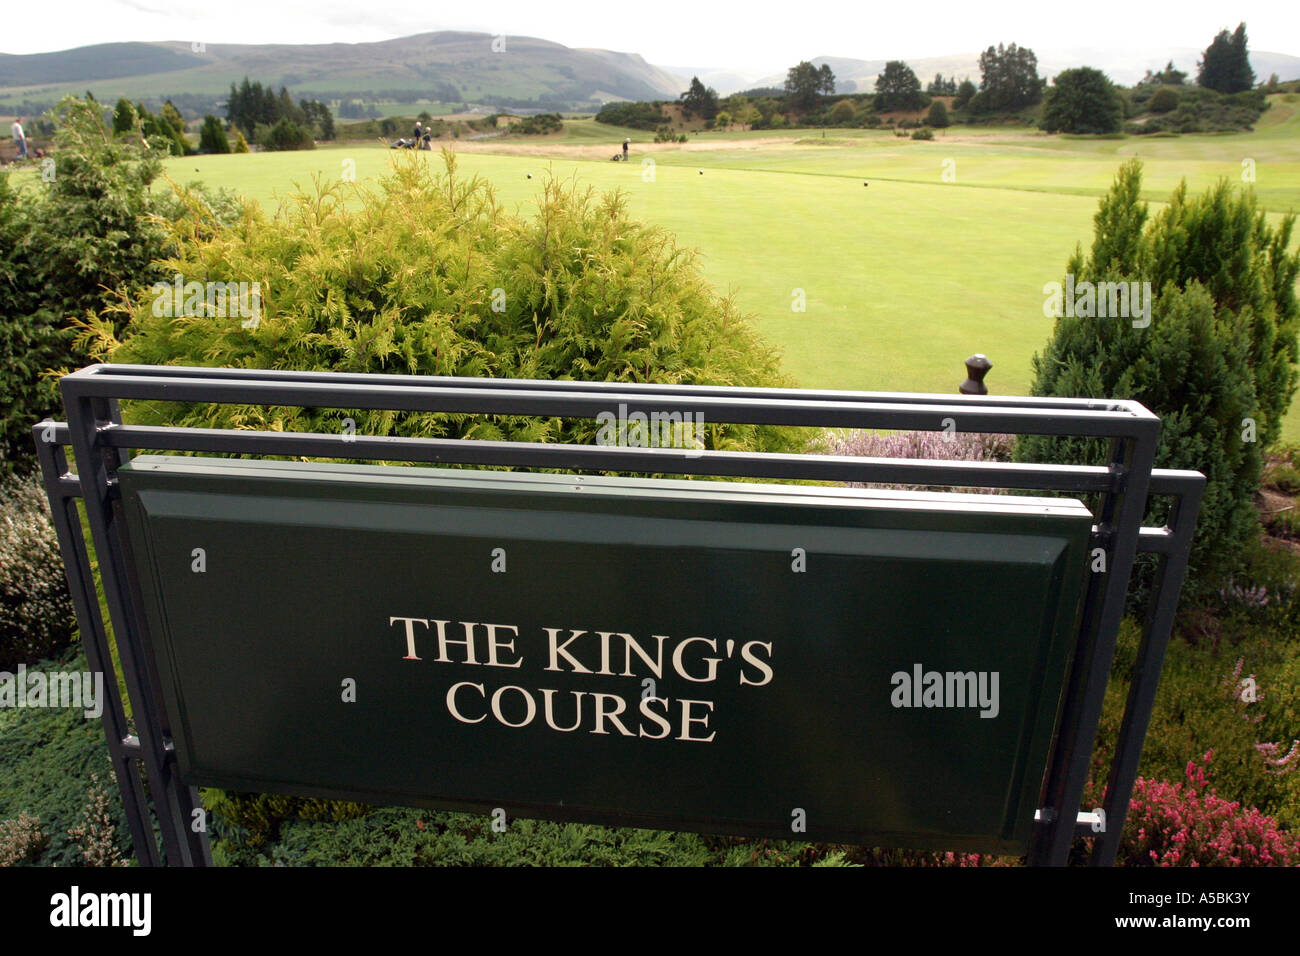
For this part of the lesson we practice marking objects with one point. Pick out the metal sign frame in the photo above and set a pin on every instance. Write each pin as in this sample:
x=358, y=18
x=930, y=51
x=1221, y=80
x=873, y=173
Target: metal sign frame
x=101, y=443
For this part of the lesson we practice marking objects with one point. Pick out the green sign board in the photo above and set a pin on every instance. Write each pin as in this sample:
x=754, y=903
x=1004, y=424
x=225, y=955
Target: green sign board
x=804, y=662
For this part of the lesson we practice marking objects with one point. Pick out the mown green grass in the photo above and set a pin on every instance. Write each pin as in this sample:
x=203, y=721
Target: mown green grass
x=903, y=279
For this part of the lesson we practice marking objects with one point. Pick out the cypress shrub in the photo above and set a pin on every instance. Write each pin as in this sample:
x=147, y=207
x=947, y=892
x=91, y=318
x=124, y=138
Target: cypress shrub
x=62, y=243
x=1217, y=362
x=29, y=334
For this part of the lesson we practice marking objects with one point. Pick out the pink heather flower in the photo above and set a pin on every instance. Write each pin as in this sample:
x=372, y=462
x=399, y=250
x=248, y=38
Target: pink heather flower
x=956, y=446
x=1279, y=765
x=1191, y=825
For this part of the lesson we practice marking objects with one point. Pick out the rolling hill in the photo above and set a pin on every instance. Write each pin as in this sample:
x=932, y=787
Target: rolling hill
x=450, y=66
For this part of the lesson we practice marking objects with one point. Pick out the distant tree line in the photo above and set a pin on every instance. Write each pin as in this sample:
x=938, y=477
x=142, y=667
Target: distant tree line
x=166, y=128
x=1084, y=100
x=1225, y=65
x=358, y=109
x=441, y=91
x=1192, y=109
x=646, y=116
x=941, y=87
x=1169, y=76
x=699, y=100
x=1010, y=80
x=254, y=109
x=897, y=88
x=539, y=124
x=804, y=83
x=1081, y=100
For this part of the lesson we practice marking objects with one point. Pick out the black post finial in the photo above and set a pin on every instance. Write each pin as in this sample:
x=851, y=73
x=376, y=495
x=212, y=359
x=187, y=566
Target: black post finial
x=977, y=366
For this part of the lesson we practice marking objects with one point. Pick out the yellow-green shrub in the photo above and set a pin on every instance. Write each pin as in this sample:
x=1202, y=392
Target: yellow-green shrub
x=427, y=273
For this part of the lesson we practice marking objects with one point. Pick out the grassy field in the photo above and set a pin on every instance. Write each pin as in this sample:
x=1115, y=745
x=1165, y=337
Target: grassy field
x=902, y=279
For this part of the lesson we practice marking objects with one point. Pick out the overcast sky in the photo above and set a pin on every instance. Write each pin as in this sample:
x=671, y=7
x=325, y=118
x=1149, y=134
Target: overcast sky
x=759, y=34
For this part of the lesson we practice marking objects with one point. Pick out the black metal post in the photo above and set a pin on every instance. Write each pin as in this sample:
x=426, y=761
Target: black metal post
x=1174, y=548
x=174, y=803
x=123, y=746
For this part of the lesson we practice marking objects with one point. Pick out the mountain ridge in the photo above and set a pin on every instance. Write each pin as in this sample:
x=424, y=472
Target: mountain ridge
x=457, y=66
x=475, y=67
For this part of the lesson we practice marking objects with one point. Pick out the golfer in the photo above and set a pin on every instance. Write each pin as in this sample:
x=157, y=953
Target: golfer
x=20, y=138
